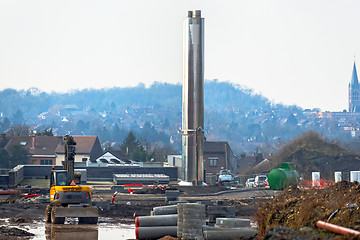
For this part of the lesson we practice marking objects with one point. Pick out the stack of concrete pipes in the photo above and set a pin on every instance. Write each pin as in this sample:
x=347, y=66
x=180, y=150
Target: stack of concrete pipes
x=162, y=222
x=191, y=218
x=229, y=228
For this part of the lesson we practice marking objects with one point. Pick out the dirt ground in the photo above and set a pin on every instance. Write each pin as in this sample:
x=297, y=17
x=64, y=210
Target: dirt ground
x=9, y=233
x=290, y=214
x=295, y=211
x=128, y=205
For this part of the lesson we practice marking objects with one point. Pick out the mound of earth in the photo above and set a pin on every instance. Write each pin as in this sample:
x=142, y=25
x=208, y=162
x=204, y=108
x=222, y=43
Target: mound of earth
x=299, y=210
x=311, y=153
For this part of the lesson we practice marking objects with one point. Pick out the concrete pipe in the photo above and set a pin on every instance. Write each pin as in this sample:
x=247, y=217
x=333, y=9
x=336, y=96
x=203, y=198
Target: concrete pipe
x=193, y=220
x=229, y=233
x=165, y=210
x=159, y=220
x=180, y=219
x=155, y=232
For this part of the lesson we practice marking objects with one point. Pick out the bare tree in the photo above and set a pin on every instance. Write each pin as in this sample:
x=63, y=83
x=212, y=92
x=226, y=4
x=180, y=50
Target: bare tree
x=19, y=130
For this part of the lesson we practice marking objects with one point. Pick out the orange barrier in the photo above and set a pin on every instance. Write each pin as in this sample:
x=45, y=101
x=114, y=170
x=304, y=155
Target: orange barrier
x=336, y=229
x=133, y=185
x=322, y=183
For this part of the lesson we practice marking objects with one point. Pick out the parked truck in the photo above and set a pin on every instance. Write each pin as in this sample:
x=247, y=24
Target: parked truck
x=225, y=178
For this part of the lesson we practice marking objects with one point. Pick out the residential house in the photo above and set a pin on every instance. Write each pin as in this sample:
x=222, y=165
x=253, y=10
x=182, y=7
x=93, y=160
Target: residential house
x=87, y=148
x=112, y=158
x=245, y=162
x=41, y=148
x=49, y=150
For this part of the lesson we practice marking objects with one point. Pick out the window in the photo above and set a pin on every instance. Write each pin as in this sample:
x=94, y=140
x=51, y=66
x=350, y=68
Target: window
x=46, y=162
x=61, y=178
x=84, y=159
x=356, y=96
x=213, y=161
x=115, y=161
x=103, y=160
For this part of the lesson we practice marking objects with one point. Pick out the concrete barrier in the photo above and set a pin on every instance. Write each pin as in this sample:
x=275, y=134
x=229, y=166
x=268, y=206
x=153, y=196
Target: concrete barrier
x=217, y=233
x=232, y=222
x=220, y=212
x=171, y=196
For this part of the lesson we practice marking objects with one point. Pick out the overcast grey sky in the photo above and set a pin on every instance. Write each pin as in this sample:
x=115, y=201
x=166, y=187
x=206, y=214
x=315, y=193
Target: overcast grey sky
x=293, y=52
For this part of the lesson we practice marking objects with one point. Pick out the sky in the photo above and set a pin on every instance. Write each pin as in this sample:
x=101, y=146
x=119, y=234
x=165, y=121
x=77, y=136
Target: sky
x=293, y=52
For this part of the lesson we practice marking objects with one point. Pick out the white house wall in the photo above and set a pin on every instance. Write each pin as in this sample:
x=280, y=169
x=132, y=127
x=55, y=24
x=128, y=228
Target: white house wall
x=78, y=158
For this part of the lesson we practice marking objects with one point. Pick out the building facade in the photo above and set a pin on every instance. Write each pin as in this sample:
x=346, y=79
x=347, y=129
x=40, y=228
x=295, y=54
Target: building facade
x=217, y=156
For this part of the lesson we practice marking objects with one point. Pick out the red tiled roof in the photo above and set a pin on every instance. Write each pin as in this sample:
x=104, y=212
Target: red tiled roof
x=49, y=145
x=36, y=145
x=84, y=144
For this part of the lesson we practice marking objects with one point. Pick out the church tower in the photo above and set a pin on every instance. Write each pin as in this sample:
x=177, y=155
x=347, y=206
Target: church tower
x=354, y=92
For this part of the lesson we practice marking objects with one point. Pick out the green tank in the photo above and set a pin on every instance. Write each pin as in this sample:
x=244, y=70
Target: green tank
x=281, y=178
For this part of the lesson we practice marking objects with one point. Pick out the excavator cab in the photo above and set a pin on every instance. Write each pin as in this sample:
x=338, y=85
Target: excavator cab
x=58, y=178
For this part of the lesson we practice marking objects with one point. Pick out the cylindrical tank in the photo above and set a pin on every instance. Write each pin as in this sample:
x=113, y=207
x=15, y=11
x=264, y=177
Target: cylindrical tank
x=283, y=177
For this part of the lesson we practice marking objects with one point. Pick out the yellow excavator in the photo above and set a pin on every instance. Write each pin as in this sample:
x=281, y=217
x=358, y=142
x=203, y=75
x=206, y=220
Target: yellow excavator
x=67, y=197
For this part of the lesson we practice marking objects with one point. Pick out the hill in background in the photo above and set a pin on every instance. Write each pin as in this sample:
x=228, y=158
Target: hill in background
x=249, y=122
x=312, y=153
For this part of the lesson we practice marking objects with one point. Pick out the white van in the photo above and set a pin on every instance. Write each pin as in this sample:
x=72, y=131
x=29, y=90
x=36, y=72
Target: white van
x=260, y=180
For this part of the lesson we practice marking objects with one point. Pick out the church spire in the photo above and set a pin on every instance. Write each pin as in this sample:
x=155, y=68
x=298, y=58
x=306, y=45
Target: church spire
x=354, y=78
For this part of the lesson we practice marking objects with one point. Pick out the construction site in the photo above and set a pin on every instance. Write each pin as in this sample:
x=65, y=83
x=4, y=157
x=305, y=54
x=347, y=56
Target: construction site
x=45, y=202
x=256, y=213
x=309, y=190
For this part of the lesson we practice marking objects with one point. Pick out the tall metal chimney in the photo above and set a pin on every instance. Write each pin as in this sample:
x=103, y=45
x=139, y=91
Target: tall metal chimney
x=193, y=98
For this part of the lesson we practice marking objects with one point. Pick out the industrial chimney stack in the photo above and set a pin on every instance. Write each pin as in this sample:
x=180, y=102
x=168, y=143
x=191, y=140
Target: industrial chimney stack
x=193, y=98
